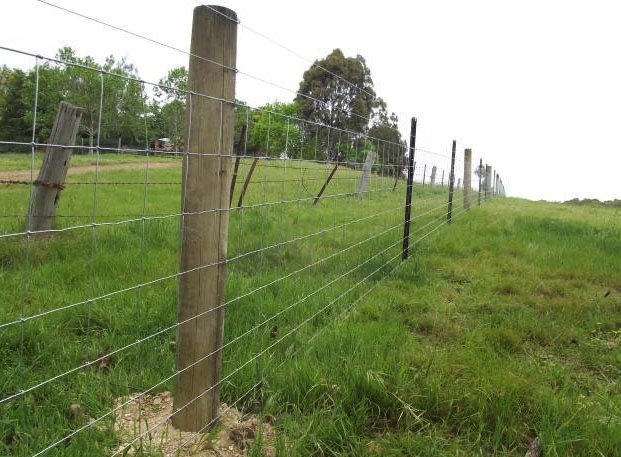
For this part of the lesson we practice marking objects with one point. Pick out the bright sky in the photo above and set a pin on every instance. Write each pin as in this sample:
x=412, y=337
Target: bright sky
x=533, y=87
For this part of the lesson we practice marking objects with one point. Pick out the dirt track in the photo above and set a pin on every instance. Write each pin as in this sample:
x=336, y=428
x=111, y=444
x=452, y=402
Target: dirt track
x=22, y=175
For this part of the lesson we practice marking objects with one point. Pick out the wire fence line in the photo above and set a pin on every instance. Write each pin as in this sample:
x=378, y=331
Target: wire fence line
x=88, y=315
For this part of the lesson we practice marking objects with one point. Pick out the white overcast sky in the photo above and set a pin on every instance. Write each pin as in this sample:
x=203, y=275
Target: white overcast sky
x=532, y=86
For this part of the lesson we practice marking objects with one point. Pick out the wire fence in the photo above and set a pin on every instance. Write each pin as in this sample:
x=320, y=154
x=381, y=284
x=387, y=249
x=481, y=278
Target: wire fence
x=306, y=223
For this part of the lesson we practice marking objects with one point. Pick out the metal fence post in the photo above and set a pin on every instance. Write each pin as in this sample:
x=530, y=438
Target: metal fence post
x=206, y=181
x=449, y=215
x=408, y=192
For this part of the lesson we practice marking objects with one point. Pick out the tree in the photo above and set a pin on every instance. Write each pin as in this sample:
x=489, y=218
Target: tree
x=12, y=107
x=170, y=98
x=337, y=91
x=391, y=147
x=80, y=82
x=273, y=132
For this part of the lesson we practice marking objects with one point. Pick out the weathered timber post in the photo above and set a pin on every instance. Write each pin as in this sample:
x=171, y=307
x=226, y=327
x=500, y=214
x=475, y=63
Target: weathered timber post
x=480, y=173
x=408, y=192
x=366, y=171
x=442, y=179
x=458, y=183
x=488, y=180
x=51, y=179
x=204, y=229
x=432, y=180
x=467, y=177
x=424, y=173
x=449, y=214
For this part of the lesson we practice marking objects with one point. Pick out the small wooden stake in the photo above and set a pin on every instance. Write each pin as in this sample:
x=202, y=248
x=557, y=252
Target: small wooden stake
x=247, y=181
x=326, y=183
x=237, y=159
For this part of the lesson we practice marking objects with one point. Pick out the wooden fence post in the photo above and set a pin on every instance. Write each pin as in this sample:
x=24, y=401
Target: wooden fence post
x=51, y=179
x=467, y=177
x=204, y=229
x=449, y=214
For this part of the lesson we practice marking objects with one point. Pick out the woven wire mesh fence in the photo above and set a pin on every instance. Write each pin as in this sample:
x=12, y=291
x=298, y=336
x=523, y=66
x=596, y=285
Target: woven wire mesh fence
x=309, y=219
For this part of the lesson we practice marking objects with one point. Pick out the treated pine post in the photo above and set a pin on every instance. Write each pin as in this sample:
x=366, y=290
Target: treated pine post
x=480, y=178
x=432, y=180
x=449, y=214
x=467, y=177
x=51, y=179
x=204, y=229
x=408, y=192
x=238, y=153
x=366, y=171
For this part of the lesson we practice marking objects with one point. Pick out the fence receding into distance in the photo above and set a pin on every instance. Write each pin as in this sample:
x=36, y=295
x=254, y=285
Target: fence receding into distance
x=202, y=269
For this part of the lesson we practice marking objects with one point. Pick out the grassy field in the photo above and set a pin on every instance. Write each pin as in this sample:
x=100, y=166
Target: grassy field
x=501, y=327
x=21, y=161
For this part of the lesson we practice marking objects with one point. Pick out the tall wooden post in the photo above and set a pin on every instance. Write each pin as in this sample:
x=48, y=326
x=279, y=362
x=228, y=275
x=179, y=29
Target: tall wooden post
x=51, y=179
x=467, y=177
x=449, y=214
x=408, y=192
x=205, y=202
x=434, y=170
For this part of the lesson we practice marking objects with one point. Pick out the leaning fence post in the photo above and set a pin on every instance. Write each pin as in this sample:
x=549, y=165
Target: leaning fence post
x=51, y=179
x=449, y=214
x=204, y=228
x=467, y=177
x=480, y=173
x=238, y=153
x=408, y=192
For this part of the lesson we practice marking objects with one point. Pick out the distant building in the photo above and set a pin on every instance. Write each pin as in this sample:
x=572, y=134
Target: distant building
x=161, y=144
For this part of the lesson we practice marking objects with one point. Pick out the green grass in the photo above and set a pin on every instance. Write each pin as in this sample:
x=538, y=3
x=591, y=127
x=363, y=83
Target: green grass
x=19, y=161
x=497, y=330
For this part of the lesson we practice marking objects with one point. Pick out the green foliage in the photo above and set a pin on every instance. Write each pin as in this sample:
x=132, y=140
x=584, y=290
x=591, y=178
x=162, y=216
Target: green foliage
x=273, y=133
x=12, y=106
x=339, y=92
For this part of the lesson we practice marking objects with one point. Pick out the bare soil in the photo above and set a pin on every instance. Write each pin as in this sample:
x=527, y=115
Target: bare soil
x=149, y=416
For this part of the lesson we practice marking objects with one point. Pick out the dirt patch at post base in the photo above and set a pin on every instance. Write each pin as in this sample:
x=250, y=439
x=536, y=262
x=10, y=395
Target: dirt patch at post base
x=233, y=435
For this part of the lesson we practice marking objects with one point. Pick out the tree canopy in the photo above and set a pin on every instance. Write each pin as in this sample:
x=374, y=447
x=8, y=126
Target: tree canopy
x=336, y=94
